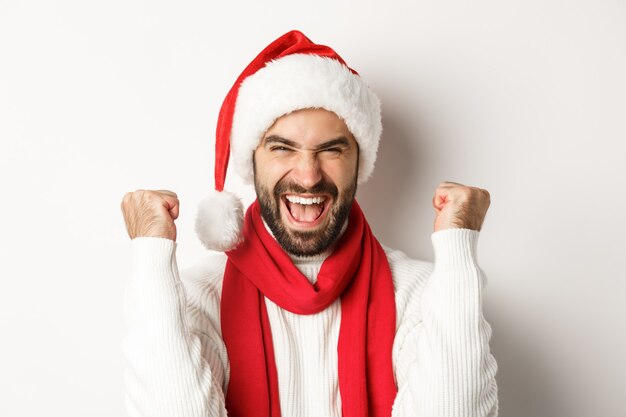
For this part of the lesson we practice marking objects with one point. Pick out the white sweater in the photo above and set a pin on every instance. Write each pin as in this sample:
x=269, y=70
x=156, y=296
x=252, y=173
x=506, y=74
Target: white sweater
x=177, y=361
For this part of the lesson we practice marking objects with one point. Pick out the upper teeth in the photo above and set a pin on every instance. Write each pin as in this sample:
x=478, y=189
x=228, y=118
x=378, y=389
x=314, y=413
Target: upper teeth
x=302, y=200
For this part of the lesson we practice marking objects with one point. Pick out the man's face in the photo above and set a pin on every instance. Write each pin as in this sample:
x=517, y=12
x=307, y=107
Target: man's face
x=305, y=176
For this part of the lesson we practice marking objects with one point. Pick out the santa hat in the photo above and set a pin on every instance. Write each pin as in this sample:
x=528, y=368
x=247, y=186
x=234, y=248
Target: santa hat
x=291, y=73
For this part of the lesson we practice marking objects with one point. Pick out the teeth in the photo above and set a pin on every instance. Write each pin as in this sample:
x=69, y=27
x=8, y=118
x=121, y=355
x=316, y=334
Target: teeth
x=306, y=201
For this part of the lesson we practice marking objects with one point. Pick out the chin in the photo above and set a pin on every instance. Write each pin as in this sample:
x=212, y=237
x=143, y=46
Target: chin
x=305, y=222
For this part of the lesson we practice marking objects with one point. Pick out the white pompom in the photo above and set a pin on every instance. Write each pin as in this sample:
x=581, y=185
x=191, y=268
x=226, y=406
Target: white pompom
x=219, y=221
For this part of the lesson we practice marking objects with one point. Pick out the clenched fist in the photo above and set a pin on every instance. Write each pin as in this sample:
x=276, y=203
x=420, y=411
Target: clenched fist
x=459, y=206
x=151, y=213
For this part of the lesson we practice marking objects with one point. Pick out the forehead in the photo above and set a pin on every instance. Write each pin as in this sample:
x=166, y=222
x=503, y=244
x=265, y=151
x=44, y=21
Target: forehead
x=310, y=127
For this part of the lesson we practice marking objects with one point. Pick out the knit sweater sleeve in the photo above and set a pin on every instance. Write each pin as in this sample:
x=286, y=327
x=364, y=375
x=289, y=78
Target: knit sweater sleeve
x=442, y=361
x=176, y=364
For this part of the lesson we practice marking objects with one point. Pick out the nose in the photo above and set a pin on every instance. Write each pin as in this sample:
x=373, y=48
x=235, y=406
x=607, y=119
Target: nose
x=307, y=171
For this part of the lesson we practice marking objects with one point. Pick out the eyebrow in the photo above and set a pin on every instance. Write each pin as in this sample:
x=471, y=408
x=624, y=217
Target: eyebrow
x=340, y=141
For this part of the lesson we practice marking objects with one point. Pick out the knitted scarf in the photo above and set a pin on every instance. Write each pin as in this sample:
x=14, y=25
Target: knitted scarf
x=357, y=271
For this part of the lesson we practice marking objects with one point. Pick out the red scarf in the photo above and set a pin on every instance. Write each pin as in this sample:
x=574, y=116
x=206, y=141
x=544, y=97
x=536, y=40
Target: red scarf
x=357, y=271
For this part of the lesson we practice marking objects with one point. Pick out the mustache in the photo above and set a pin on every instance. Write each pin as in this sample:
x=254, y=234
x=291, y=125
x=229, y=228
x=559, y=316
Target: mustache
x=322, y=187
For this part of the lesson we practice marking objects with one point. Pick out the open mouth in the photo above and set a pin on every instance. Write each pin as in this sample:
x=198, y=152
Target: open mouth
x=306, y=210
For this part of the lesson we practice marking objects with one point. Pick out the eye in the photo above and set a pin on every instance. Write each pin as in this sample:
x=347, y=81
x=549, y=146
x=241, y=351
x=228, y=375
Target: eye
x=332, y=151
x=279, y=149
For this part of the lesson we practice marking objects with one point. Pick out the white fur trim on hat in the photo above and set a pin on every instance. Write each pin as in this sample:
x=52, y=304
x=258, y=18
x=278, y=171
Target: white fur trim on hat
x=299, y=81
x=219, y=221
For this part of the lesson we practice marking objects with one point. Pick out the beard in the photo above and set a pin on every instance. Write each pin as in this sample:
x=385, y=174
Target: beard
x=305, y=243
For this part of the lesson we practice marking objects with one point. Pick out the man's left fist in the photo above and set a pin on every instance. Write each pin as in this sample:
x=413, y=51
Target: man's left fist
x=459, y=206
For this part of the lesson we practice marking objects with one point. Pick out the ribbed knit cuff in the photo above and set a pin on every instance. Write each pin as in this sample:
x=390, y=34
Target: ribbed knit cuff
x=152, y=256
x=151, y=246
x=455, y=247
x=154, y=290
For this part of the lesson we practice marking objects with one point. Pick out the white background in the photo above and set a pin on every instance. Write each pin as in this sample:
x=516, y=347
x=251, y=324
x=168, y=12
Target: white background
x=524, y=98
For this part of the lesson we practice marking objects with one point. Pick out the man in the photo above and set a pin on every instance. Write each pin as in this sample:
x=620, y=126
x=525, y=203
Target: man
x=305, y=314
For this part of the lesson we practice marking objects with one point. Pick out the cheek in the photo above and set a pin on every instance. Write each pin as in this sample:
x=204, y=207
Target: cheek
x=270, y=175
x=275, y=172
x=342, y=173
x=268, y=170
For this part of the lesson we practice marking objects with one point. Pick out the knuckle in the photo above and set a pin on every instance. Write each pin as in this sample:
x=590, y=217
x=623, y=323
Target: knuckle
x=137, y=195
x=127, y=200
x=149, y=194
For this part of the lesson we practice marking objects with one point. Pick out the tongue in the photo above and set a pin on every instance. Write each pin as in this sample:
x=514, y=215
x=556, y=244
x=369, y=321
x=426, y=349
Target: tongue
x=305, y=212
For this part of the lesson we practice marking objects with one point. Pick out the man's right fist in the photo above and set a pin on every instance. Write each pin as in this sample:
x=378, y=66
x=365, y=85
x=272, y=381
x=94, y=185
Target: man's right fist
x=151, y=213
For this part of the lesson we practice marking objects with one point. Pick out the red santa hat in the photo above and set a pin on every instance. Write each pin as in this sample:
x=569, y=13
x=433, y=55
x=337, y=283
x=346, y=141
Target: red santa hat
x=291, y=73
